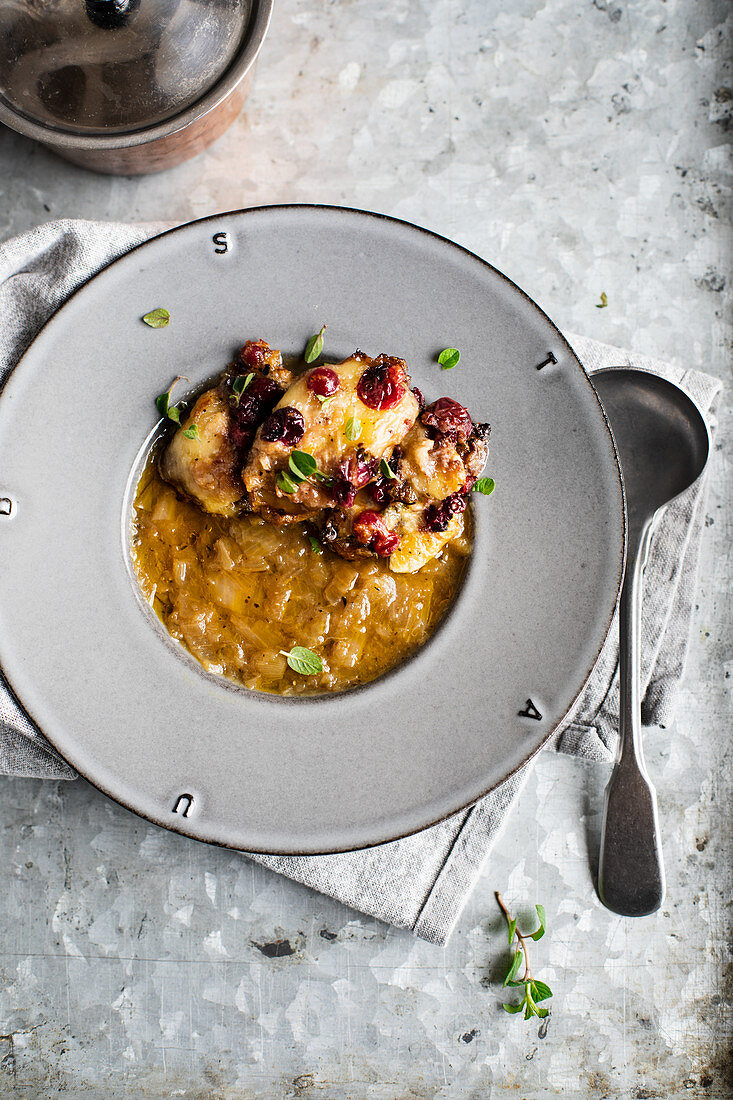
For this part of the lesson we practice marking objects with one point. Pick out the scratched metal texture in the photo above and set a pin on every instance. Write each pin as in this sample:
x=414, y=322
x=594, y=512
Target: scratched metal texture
x=582, y=147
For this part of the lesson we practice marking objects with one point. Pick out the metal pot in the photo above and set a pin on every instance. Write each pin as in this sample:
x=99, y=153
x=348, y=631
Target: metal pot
x=127, y=86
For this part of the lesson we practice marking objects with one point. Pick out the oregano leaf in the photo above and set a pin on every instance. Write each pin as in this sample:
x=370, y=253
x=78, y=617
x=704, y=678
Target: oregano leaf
x=303, y=660
x=285, y=483
x=314, y=347
x=352, y=429
x=485, y=485
x=448, y=358
x=516, y=963
x=157, y=318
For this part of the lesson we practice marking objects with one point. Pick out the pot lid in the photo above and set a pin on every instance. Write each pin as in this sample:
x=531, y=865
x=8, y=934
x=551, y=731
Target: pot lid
x=110, y=66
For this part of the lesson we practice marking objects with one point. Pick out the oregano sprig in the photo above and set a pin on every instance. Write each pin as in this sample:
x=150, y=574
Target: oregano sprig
x=239, y=385
x=172, y=412
x=534, y=990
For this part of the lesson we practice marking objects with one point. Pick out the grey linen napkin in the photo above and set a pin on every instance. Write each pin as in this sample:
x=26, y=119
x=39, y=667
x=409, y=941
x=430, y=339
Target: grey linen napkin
x=422, y=881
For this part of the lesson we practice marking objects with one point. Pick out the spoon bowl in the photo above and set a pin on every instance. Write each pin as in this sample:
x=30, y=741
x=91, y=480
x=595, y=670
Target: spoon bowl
x=663, y=445
x=661, y=436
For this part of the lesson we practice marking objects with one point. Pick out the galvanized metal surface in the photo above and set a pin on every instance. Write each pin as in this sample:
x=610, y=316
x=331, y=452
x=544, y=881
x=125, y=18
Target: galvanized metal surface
x=582, y=148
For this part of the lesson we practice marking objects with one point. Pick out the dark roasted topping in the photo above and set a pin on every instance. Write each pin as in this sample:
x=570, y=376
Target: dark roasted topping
x=385, y=490
x=329, y=532
x=403, y=492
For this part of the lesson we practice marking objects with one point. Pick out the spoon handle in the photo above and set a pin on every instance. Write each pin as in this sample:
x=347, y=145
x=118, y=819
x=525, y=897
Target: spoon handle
x=631, y=869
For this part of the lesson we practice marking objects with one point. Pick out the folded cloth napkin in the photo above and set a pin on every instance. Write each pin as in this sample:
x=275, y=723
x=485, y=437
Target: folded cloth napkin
x=422, y=881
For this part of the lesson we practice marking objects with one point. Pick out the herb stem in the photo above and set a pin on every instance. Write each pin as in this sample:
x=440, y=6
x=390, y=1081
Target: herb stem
x=527, y=976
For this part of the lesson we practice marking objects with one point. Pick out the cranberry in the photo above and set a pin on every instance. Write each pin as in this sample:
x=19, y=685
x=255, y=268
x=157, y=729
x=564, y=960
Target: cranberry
x=385, y=545
x=284, y=426
x=437, y=516
x=261, y=395
x=448, y=418
x=241, y=437
x=379, y=490
x=359, y=468
x=343, y=492
x=323, y=381
x=383, y=384
x=255, y=354
x=370, y=530
x=419, y=397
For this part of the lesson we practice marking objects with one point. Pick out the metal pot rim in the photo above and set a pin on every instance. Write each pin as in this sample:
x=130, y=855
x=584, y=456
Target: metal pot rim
x=258, y=24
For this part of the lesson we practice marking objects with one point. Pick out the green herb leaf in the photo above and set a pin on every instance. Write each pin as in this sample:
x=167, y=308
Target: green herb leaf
x=511, y=930
x=352, y=429
x=449, y=357
x=240, y=383
x=516, y=963
x=513, y=1008
x=541, y=1012
x=603, y=302
x=302, y=464
x=320, y=476
x=485, y=485
x=303, y=660
x=163, y=401
x=315, y=545
x=324, y=400
x=192, y=432
x=157, y=318
x=314, y=347
x=386, y=470
x=543, y=920
x=285, y=483
x=528, y=1009
x=540, y=991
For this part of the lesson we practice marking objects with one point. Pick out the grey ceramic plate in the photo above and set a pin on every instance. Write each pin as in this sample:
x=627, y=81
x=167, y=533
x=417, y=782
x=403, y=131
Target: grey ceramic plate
x=132, y=711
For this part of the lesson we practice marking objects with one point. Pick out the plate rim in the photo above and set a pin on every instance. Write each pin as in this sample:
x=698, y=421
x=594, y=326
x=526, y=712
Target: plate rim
x=174, y=826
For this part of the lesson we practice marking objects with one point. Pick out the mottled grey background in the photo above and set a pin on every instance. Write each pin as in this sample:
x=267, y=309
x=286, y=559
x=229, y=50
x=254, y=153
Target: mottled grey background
x=581, y=147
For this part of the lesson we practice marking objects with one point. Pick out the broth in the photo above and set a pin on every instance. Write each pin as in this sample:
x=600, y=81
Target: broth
x=235, y=592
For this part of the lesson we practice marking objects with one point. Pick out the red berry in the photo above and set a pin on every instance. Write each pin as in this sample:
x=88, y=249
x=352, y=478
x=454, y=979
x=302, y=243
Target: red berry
x=284, y=426
x=438, y=515
x=383, y=384
x=323, y=381
x=448, y=418
x=343, y=492
x=371, y=531
x=255, y=354
x=387, y=544
x=379, y=490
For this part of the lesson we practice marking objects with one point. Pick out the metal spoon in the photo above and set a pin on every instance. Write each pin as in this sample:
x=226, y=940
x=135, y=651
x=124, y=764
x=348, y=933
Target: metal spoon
x=663, y=445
